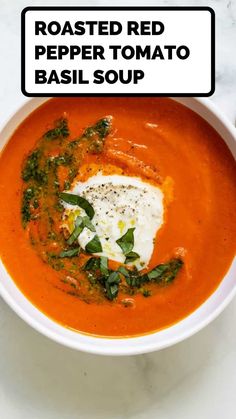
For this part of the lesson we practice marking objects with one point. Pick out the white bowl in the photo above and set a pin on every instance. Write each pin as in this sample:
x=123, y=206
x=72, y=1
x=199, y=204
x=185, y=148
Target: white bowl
x=136, y=345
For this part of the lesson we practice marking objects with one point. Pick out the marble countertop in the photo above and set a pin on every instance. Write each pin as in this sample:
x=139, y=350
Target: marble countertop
x=41, y=379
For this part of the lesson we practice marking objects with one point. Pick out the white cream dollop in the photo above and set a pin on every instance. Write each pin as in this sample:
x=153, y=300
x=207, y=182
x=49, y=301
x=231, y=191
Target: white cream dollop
x=120, y=202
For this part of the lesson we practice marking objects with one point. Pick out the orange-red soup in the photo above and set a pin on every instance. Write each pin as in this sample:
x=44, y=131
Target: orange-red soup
x=199, y=177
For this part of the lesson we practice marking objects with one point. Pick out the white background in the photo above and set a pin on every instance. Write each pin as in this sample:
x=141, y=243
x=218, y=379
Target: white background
x=39, y=379
x=190, y=28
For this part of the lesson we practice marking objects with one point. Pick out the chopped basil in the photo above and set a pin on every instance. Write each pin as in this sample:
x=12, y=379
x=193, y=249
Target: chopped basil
x=94, y=246
x=134, y=280
x=97, y=269
x=112, y=290
x=92, y=264
x=131, y=256
x=124, y=271
x=104, y=265
x=126, y=242
x=112, y=285
x=114, y=278
x=77, y=230
x=87, y=223
x=80, y=223
x=175, y=266
x=110, y=280
x=69, y=253
x=77, y=200
x=165, y=272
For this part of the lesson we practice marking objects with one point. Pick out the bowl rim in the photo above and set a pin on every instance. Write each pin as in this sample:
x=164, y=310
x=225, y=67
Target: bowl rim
x=118, y=345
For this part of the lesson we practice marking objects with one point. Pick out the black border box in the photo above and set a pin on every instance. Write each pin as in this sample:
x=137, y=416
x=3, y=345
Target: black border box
x=62, y=8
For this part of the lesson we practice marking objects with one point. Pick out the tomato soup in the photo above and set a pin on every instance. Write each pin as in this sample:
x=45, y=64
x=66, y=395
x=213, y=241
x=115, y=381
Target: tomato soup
x=117, y=214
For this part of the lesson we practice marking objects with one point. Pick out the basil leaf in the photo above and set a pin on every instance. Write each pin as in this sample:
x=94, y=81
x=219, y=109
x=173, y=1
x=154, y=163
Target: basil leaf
x=123, y=271
x=158, y=272
x=94, y=246
x=112, y=285
x=114, y=278
x=112, y=290
x=77, y=200
x=69, y=253
x=126, y=242
x=77, y=230
x=104, y=265
x=165, y=272
x=135, y=280
x=92, y=264
x=87, y=223
x=131, y=256
x=80, y=223
x=175, y=266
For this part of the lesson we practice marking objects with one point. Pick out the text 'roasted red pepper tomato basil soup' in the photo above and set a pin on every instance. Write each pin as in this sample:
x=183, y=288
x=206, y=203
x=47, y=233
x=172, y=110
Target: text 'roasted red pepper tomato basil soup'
x=117, y=214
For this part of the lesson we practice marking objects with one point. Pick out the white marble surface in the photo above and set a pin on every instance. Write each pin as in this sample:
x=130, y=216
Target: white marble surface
x=194, y=379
